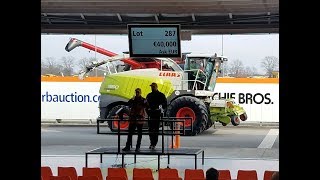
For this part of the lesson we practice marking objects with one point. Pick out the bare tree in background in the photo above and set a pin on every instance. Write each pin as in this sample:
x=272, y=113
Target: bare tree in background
x=43, y=67
x=68, y=65
x=224, y=69
x=83, y=63
x=236, y=68
x=50, y=66
x=248, y=71
x=270, y=64
x=254, y=71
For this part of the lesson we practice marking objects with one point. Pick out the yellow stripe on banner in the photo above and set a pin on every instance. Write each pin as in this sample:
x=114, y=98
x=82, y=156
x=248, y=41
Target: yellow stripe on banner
x=219, y=80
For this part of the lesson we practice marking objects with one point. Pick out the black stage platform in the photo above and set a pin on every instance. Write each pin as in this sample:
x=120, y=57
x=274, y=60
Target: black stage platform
x=160, y=151
x=146, y=151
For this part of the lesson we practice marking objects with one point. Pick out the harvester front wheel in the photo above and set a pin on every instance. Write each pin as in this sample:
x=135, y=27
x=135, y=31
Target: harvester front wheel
x=187, y=106
x=235, y=120
x=244, y=116
x=112, y=115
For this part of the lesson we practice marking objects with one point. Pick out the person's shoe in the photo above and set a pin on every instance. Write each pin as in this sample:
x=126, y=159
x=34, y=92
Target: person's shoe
x=150, y=146
x=126, y=149
x=137, y=149
x=153, y=147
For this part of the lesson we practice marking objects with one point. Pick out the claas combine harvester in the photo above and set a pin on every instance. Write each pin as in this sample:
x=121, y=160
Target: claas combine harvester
x=189, y=90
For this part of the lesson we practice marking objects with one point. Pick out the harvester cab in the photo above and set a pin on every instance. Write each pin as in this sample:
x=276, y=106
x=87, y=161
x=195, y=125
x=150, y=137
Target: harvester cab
x=203, y=69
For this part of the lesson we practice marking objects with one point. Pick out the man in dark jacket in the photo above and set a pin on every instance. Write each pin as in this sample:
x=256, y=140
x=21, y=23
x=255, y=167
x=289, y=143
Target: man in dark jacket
x=212, y=174
x=137, y=113
x=156, y=101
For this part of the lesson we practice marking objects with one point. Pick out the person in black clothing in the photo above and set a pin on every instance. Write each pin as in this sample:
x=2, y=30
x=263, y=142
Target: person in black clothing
x=212, y=174
x=156, y=101
x=137, y=113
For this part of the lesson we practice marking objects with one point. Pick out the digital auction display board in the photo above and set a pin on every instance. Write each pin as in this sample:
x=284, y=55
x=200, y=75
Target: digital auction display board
x=159, y=40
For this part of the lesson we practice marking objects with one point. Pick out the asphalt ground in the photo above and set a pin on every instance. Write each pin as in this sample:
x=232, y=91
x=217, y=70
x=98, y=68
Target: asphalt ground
x=259, y=142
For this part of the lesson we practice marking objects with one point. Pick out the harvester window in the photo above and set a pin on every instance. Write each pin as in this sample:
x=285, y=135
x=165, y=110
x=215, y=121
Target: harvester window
x=166, y=67
x=199, y=70
x=169, y=65
x=208, y=68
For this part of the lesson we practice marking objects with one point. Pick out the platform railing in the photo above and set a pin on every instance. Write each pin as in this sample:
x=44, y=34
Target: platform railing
x=163, y=120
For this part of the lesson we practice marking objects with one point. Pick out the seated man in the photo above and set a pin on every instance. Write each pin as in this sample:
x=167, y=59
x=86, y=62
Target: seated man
x=192, y=74
x=166, y=67
x=212, y=174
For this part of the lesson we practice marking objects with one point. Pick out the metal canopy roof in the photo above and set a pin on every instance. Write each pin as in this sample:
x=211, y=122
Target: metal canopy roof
x=197, y=16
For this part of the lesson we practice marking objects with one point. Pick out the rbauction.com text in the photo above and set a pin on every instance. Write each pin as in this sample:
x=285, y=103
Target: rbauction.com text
x=72, y=97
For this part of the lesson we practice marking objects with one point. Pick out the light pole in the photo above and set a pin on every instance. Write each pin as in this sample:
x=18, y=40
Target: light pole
x=95, y=51
x=223, y=69
x=222, y=44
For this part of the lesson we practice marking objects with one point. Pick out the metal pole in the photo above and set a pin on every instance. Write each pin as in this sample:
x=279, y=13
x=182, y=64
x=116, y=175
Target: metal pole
x=86, y=160
x=162, y=135
x=98, y=128
x=158, y=162
x=222, y=45
x=118, y=136
x=172, y=132
x=95, y=52
x=222, y=55
x=122, y=161
x=203, y=157
x=195, y=161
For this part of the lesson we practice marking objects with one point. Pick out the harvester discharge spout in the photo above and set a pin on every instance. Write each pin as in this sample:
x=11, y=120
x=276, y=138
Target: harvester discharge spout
x=73, y=43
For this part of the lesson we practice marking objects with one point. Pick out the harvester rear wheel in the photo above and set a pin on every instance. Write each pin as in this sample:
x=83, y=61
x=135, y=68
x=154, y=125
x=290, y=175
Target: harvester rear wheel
x=124, y=125
x=188, y=106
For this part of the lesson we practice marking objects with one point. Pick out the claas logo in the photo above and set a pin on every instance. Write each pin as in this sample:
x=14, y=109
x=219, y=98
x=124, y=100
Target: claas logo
x=169, y=74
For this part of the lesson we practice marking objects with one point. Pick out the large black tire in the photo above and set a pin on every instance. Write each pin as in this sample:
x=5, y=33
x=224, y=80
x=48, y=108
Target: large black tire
x=235, y=120
x=244, y=117
x=209, y=123
x=205, y=121
x=197, y=106
x=112, y=114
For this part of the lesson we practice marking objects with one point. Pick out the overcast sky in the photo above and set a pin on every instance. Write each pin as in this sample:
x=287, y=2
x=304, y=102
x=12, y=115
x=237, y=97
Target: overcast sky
x=250, y=49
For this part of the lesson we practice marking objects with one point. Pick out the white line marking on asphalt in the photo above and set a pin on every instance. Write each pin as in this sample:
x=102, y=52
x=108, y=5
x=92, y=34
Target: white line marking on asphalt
x=270, y=138
x=49, y=130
